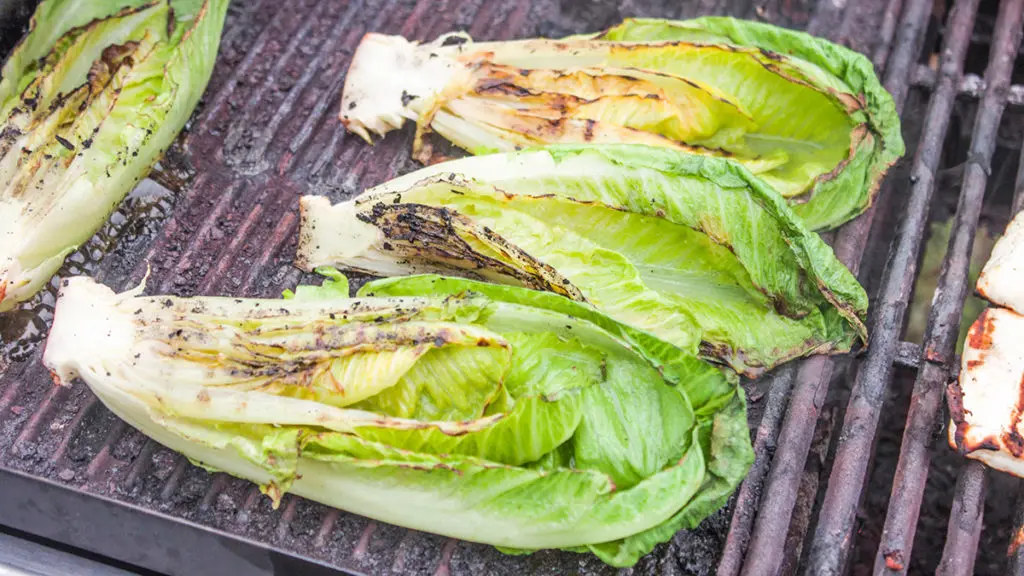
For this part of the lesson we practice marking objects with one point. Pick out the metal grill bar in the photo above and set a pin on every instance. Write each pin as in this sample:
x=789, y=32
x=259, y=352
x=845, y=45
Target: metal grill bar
x=834, y=534
x=749, y=493
x=889, y=21
x=912, y=467
x=969, y=86
x=766, y=551
x=965, y=521
x=908, y=354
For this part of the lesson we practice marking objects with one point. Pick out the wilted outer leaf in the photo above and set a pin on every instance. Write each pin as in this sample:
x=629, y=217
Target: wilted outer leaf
x=807, y=116
x=88, y=102
x=478, y=411
x=691, y=248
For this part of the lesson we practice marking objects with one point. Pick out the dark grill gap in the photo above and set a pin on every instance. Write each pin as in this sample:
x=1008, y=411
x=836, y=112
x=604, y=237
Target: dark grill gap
x=266, y=133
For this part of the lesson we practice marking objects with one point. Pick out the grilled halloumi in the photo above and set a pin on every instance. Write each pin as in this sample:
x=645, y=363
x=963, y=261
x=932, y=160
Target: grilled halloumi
x=1002, y=280
x=987, y=404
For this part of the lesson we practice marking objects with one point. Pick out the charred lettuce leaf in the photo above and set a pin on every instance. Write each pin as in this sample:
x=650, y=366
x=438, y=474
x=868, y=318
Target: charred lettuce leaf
x=807, y=116
x=89, y=100
x=694, y=249
x=489, y=413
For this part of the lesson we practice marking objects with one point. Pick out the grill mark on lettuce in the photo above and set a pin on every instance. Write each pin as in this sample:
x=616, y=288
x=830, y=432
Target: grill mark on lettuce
x=56, y=53
x=544, y=129
x=719, y=352
x=501, y=79
x=433, y=233
x=104, y=75
x=301, y=364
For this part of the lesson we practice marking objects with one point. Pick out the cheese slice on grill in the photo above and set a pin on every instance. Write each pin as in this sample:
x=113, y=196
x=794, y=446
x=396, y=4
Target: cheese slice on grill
x=987, y=404
x=1002, y=280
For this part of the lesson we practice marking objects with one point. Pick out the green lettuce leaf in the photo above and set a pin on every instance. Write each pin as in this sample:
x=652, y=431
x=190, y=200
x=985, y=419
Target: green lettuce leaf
x=807, y=116
x=89, y=100
x=694, y=249
x=837, y=70
x=490, y=413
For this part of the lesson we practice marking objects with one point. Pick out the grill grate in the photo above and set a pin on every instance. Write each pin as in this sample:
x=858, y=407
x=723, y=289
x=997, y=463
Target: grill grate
x=944, y=322
x=913, y=465
x=219, y=217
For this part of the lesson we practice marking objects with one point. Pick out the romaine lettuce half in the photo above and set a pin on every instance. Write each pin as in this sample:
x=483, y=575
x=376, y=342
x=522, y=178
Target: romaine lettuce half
x=806, y=115
x=89, y=100
x=489, y=413
x=692, y=248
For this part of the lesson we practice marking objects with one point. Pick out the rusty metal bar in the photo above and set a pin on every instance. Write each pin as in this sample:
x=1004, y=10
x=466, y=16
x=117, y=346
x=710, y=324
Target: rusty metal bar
x=749, y=493
x=83, y=412
x=965, y=521
x=766, y=550
x=835, y=531
x=1018, y=192
x=908, y=354
x=969, y=86
x=326, y=526
x=889, y=21
x=284, y=522
x=102, y=460
x=217, y=485
x=912, y=468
